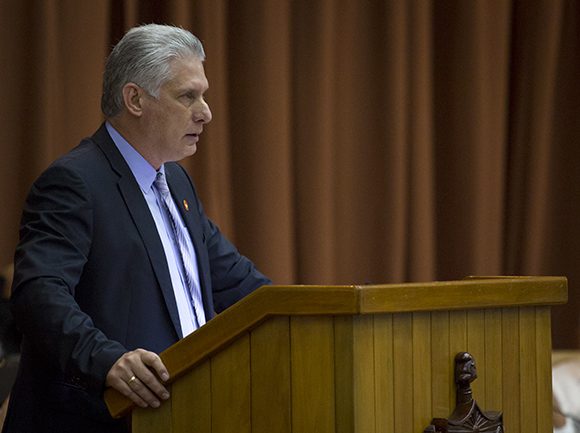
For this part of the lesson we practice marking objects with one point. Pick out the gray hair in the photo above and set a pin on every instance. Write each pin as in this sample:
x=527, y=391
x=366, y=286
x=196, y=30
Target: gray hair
x=143, y=56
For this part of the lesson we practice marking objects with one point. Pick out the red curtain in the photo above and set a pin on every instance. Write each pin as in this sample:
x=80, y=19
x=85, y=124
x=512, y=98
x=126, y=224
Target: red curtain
x=352, y=142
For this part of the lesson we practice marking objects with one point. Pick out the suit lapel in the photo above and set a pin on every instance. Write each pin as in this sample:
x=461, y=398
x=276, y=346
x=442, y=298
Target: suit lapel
x=144, y=222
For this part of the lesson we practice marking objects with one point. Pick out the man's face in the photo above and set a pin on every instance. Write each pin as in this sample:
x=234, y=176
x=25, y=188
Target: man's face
x=174, y=121
x=466, y=371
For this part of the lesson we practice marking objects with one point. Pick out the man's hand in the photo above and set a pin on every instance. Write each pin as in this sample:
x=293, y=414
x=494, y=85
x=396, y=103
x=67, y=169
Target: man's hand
x=137, y=376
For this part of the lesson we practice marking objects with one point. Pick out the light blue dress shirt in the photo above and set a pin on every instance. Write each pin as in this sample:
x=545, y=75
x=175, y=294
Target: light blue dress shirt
x=145, y=175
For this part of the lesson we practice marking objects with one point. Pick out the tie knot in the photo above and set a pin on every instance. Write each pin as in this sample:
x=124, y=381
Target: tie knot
x=161, y=184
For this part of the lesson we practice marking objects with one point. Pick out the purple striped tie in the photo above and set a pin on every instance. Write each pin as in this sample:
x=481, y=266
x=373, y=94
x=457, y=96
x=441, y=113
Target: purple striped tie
x=187, y=255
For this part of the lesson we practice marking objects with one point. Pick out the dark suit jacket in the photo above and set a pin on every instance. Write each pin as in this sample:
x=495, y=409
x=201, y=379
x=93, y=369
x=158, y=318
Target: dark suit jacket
x=91, y=282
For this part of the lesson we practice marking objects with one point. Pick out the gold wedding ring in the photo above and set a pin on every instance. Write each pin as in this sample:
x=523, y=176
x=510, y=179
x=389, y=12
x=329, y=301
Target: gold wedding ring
x=133, y=379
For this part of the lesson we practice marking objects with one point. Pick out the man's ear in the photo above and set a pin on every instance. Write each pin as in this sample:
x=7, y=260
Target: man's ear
x=133, y=99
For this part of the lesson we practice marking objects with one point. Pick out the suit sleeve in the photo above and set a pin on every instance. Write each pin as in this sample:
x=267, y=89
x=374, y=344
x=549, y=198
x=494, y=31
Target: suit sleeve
x=55, y=240
x=233, y=275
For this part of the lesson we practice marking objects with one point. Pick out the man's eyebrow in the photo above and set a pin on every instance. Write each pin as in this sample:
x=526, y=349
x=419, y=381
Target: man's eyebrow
x=198, y=88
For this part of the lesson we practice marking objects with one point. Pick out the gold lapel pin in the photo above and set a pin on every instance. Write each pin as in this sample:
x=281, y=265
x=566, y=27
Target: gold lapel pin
x=186, y=205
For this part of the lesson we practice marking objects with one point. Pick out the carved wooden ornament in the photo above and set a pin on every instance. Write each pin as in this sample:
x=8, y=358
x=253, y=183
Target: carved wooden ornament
x=467, y=416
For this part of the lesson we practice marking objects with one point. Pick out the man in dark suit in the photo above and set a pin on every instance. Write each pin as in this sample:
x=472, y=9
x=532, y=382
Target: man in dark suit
x=112, y=266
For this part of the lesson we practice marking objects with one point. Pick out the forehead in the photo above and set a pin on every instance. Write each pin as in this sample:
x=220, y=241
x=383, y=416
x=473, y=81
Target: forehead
x=187, y=73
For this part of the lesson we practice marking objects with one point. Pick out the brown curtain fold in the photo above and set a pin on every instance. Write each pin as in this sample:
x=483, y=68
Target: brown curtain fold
x=352, y=142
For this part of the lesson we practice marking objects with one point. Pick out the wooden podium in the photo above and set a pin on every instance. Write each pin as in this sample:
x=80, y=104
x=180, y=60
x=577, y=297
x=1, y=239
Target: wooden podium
x=376, y=358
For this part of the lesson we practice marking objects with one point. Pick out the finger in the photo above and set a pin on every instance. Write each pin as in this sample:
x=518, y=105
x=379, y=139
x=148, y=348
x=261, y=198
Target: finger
x=145, y=389
x=141, y=391
x=150, y=380
x=124, y=388
x=154, y=361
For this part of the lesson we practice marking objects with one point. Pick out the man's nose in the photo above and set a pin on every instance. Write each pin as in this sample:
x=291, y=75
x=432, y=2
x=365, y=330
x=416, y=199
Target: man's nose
x=203, y=113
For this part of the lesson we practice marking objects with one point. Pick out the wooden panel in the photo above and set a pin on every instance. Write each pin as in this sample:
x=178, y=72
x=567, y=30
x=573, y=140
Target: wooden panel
x=476, y=347
x=191, y=401
x=544, y=369
x=150, y=420
x=364, y=374
x=493, y=361
x=403, y=371
x=511, y=369
x=312, y=370
x=230, y=388
x=442, y=375
x=384, y=374
x=422, y=413
x=512, y=355
x=457, y=343
x=528, y=380
x=270, y=368
x=343, y=373
x=335, y=300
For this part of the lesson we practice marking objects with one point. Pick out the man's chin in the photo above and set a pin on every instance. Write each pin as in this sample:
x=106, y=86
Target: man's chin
x=190, y=150
x=190, y=144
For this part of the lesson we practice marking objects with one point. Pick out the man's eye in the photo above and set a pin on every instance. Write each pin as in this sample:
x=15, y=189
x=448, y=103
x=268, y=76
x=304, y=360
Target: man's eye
x=187, y=99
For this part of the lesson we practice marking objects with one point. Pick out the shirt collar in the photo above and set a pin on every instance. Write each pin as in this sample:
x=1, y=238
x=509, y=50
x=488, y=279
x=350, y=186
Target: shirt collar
x=143, y=171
